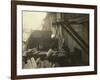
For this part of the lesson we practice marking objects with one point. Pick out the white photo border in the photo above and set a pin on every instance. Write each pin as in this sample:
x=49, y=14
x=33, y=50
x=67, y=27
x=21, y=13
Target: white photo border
x=21, y=71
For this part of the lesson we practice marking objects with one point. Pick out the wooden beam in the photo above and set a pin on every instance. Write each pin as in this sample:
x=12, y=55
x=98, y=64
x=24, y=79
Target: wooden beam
x=74, y=35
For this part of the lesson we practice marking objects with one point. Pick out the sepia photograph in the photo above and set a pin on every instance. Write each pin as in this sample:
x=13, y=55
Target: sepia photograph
x=54, y=39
